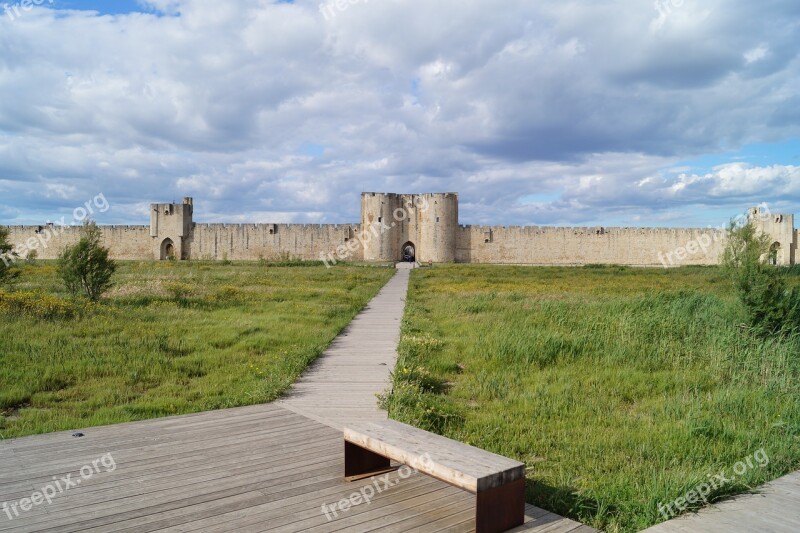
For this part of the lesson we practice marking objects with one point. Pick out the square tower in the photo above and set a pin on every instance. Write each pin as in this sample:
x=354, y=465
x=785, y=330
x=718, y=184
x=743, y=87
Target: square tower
x=171, y=229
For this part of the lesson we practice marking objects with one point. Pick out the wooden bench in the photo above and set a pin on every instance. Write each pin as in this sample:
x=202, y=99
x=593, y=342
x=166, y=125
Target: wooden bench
x=498, y=482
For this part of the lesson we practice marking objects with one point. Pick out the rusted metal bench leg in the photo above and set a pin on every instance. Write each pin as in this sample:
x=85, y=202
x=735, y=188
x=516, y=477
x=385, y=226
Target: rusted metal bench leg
x=359, y=461
x=500, y=509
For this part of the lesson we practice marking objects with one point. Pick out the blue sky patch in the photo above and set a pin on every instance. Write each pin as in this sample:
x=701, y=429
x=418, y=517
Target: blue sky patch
x=766, y=154
x=117, y=7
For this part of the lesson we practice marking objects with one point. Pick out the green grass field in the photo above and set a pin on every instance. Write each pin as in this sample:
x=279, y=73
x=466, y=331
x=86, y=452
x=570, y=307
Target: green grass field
x=170, y=338
x=619, y=388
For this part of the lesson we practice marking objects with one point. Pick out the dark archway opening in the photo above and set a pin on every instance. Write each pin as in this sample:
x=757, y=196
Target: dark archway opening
x=167, y=250
x=409, y=252
x=773, y=253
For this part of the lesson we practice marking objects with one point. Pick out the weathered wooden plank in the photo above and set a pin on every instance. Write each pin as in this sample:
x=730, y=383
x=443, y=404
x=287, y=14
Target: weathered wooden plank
x=277, y=499
x=409, y=515
x=428, y=503
x=460, y=517
x=125, y=470
x=314, y=517
x=283, y=466
x=439, y=517
x=152, y=506
x=153, y=448
x=292, y=510
x=135, y=431
x=126, y=485
x=177, y=423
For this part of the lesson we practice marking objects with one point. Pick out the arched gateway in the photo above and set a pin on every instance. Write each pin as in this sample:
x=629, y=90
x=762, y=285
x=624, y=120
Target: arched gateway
x=168, y=250
x=409, y=252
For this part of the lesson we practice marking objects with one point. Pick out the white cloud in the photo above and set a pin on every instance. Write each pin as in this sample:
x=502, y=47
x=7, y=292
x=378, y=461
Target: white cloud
x=497, y=100
x=756, y=54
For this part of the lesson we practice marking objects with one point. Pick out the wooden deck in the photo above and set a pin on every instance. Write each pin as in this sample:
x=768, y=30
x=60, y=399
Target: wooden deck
x=775, y=509
x=260, y=468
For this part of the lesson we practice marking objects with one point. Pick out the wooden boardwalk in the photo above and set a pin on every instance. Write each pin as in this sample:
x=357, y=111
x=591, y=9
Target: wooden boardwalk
x=774, y=509
x=259, y=468
x=340, y=387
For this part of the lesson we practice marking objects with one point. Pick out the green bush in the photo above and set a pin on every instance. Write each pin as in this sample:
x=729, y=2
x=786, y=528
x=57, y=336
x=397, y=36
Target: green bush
x=8, y=273
x=771, y=307
x=86, y=268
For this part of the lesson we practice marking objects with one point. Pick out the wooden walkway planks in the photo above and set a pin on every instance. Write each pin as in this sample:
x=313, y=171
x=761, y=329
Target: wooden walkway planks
x=340, y=387
x=775, y=508
x=258, y=468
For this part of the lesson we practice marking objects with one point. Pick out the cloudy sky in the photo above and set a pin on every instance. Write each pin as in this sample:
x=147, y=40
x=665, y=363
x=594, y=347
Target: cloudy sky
x=550, y=112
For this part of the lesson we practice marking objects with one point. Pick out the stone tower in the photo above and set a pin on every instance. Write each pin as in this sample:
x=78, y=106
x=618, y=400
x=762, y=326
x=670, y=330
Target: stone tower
x=171, y=230
x=398, y=226
x=438, y=226
x=781, y=232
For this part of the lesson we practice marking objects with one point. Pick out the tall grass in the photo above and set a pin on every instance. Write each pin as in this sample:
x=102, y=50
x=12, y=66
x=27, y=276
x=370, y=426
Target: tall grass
x=171, y=338
x=619, y=388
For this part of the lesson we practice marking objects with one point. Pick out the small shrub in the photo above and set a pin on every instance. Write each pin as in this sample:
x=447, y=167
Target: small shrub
x=771, y=307
x=227, y=293
x=178, y=290
x=8, y=273
x=86, y=267
x=31, y=257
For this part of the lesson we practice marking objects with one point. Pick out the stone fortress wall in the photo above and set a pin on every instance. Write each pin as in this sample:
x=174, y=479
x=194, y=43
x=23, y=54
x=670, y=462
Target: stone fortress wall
x=398, y=226
x=125, y=242
x=252, y=242
x=246, y=242
x=580, y=246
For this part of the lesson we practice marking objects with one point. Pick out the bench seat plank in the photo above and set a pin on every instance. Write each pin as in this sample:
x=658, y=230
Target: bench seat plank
x=451, y=461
